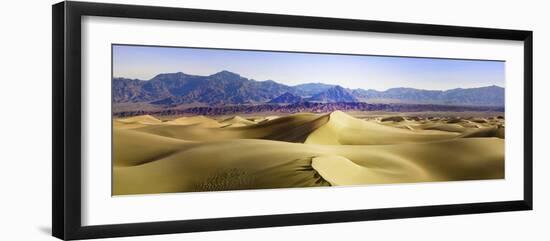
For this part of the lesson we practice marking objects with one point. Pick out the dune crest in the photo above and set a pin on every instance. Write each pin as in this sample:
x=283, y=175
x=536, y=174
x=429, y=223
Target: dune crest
x=142, y=119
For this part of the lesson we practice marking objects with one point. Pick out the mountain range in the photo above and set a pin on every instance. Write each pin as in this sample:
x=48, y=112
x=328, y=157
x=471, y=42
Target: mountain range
x=228, y=88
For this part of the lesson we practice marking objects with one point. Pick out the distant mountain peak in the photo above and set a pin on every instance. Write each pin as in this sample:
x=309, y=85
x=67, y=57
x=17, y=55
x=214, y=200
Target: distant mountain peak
x=225, y=74
x=314, y=83
x=171, y=75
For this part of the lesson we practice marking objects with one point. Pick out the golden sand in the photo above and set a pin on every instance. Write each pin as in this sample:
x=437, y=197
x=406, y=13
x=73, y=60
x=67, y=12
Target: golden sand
x=302, y=150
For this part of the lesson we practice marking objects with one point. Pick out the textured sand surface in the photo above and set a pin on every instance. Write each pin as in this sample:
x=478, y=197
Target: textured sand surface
x=302, y=150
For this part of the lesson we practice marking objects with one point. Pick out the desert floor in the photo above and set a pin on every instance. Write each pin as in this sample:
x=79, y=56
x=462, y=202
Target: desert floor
x=198, y=153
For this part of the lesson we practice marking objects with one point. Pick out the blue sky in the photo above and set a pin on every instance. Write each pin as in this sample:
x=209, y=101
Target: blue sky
x=350, y=71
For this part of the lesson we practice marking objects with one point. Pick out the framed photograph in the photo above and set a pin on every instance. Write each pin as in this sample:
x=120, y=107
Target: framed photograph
x=169, y=120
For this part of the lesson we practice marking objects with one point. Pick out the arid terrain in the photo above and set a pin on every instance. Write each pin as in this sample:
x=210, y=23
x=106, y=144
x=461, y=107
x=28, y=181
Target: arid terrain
x=160, y=154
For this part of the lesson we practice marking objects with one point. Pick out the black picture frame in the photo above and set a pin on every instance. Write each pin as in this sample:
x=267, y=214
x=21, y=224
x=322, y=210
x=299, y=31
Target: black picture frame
x=66, y=158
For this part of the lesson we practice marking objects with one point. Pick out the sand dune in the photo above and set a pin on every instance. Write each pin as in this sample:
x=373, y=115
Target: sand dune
x=393, y=118
x=186, y=166
x=484, y=132
x=135, y=148
x=442, y=127
x=135, y=122
x=301, y=150
x=236, y=121
x=342, y=129
x=200, y=120
x=295, y=128
x=144, y=119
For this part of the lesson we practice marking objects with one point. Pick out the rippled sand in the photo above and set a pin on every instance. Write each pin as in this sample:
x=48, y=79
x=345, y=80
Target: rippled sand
x=198, y=153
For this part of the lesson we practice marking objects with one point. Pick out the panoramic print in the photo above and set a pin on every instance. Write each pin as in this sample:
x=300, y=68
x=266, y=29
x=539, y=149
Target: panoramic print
x=202, y=119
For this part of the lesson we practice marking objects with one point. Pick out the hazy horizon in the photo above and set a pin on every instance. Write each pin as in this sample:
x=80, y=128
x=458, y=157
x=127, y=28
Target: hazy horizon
x=290, y=68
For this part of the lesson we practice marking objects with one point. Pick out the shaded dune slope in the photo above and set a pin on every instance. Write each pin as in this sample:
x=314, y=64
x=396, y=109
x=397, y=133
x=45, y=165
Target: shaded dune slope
x=484, y=132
